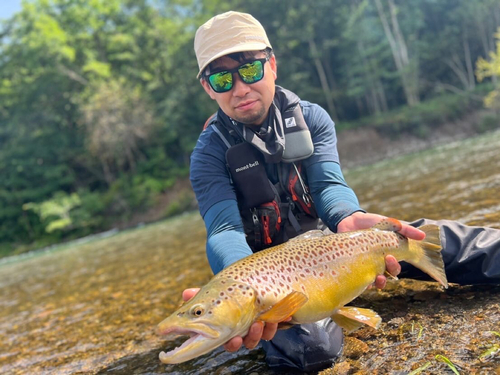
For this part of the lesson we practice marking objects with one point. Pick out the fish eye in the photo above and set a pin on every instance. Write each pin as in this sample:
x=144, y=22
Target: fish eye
x=197, y=310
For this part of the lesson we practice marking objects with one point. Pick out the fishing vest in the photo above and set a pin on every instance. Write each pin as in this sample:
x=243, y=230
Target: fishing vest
x=271, y=212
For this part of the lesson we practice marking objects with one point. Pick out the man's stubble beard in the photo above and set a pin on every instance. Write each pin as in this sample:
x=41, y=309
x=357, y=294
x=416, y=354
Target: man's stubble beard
x=253, y=120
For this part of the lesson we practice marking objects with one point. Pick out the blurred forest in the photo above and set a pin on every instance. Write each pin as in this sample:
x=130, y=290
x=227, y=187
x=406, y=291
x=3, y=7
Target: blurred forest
x=100, y=107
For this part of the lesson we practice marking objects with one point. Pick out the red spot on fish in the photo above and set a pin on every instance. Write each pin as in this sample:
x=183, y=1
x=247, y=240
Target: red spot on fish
x=321, y=274
x=333, y=273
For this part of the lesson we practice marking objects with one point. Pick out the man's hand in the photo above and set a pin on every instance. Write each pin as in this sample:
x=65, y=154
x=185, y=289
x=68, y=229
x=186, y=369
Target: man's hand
x=360, y=220
x=258, y=330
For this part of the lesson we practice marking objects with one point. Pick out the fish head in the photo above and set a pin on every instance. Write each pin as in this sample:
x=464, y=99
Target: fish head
x=221, y=310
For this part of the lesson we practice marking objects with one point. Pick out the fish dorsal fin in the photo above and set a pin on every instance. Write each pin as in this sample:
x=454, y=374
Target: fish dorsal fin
x=351, y=318
x=284, y=308
x=315, y=233
x=389, y=224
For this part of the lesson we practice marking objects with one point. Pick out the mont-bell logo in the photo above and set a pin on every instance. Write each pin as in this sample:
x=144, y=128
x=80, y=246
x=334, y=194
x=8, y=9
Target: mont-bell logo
x=290, y=122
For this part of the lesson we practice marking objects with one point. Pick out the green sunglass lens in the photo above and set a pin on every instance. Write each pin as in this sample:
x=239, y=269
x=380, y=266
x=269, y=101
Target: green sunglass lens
x=251, y=72
x=222, y=81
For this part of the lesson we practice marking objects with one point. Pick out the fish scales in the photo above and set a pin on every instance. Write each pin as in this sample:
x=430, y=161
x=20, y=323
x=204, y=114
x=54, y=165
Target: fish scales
x=315, y=266
x=307, y=279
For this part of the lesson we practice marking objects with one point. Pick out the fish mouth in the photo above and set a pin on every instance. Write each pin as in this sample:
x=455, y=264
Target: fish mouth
x=198, y=342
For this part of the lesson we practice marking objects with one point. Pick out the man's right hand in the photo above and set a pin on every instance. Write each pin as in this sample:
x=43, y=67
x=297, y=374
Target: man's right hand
x=258, y=330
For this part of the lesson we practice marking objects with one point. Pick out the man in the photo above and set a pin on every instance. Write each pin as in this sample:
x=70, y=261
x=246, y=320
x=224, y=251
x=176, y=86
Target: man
x=266, y=169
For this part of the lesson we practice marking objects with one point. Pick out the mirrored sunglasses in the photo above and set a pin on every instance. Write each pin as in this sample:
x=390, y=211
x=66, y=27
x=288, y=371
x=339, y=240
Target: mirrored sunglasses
x=249, y=72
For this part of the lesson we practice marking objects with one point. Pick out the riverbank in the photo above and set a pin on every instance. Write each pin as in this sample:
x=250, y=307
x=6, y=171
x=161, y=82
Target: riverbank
x=367, y=145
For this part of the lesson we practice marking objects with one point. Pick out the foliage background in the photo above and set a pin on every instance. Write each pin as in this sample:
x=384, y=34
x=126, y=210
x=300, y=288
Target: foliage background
x=100, y=107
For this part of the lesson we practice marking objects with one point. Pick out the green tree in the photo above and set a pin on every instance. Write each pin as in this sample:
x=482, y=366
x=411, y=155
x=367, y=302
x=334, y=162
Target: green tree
x=491, y=68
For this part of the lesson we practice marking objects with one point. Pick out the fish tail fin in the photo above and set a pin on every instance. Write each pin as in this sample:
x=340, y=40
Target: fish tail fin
x=426, y=254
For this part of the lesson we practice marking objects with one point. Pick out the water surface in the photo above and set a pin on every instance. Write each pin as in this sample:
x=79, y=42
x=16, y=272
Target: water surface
x=91, y=308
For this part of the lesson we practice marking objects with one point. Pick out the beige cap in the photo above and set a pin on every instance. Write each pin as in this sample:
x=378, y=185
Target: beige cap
x=227, y=33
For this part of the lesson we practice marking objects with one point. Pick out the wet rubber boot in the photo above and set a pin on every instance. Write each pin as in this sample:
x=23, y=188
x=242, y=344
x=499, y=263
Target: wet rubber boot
x=305, y=348
x=471, y=255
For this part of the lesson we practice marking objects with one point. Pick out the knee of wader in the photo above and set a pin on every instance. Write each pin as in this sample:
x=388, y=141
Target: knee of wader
x=305, y=347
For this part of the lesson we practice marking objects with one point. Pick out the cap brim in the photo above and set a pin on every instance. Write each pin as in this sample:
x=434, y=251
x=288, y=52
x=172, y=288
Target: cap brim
x=239, y=48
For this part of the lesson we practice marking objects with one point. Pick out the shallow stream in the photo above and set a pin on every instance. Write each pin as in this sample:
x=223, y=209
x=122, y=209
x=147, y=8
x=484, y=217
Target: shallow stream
x=91, y=308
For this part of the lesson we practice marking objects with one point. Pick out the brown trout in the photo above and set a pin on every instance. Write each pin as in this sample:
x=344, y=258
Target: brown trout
x=308, y=278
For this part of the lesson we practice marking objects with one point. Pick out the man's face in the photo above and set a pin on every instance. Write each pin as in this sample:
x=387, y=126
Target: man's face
x=245, y=103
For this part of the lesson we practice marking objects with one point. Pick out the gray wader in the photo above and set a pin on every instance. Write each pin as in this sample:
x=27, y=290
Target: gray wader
x=471, y=256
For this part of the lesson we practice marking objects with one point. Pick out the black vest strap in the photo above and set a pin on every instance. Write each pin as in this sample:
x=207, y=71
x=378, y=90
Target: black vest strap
x=290, y=196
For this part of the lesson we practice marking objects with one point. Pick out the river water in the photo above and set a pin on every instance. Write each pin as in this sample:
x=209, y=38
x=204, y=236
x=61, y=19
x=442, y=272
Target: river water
x=91, y=308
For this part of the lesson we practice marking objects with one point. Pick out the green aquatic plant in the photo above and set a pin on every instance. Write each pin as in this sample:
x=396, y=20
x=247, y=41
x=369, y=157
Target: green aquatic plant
x=420, y=369
x=412, y=328
x=495, y=333
x=490, y=352
x=450, y=364
x=494, y=349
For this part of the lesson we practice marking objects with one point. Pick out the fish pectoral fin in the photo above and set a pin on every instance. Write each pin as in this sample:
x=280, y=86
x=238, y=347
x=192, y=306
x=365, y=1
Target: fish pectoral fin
x=351, y=318
x=284, y=308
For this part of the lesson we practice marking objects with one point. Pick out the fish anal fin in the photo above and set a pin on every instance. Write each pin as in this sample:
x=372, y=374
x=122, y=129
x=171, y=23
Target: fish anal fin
x=351, y=318
x=284, y=308
x=389, y=224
